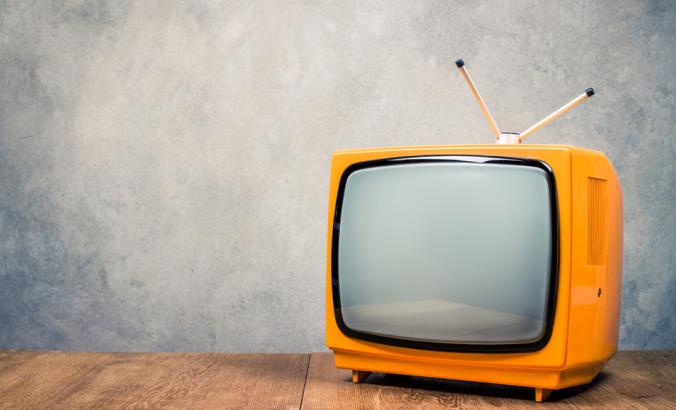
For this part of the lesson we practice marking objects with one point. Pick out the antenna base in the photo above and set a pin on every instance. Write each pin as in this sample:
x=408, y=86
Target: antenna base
x=509, y=138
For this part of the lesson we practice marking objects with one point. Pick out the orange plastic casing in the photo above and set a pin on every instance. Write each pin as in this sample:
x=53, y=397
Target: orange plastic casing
x=586, y=318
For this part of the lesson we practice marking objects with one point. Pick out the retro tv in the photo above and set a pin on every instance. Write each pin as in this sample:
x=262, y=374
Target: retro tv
x=497, y=263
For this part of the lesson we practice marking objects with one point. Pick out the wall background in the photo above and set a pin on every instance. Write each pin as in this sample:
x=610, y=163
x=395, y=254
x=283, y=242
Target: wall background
x=164, y=165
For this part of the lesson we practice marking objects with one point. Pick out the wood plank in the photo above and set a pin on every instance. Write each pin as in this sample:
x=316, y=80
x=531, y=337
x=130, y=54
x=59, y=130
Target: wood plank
x=151, y=380
x=632, y=380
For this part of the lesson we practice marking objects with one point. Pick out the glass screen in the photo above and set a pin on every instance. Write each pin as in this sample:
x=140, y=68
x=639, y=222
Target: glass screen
x=446, y=252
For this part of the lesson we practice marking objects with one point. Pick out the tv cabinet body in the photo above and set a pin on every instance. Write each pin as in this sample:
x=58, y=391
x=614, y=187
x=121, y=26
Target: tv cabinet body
x=586, y=319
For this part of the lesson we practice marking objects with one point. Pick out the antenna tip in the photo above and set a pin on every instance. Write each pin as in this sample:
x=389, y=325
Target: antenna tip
x=589, y=91
x=459, y=62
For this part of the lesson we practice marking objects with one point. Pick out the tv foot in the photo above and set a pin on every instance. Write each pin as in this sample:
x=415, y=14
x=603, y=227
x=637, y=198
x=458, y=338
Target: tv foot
x=540, y=394
x=359, y=376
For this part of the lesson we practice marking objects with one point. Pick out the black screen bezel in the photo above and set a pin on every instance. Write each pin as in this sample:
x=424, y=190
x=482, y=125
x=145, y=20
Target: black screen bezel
x=440, y=346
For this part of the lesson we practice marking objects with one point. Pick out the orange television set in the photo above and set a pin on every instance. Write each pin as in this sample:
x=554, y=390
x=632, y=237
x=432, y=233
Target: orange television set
x=497, y=263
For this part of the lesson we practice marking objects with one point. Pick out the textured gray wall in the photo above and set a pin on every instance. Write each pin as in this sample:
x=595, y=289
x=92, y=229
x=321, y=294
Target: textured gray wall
x=164, y=165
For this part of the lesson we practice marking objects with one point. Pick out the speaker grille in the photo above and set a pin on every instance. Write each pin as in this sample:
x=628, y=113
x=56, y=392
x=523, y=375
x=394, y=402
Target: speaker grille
x=596, y=225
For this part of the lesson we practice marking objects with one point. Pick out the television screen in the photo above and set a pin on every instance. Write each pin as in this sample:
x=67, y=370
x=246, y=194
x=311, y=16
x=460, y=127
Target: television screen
x=445, y=250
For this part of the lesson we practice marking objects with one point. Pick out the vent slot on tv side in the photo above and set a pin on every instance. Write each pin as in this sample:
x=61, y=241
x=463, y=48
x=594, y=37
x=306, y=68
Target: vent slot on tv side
x=596, y=223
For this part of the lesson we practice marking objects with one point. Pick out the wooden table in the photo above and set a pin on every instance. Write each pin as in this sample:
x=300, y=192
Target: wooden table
x=42, y=379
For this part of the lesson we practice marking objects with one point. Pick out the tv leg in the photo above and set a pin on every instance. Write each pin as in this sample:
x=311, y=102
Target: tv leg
x=359, y=376
x=541, y=394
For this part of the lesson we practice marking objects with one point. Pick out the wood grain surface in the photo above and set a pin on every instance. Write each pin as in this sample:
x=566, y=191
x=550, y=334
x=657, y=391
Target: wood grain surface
x=632, y=380
x=39, y=379
x=42, y=380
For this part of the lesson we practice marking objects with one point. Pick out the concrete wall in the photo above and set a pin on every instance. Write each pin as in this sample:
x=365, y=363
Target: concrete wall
x=164, y=165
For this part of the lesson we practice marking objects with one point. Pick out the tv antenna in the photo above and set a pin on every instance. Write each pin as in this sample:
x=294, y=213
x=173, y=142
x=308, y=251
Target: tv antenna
x=515, y=137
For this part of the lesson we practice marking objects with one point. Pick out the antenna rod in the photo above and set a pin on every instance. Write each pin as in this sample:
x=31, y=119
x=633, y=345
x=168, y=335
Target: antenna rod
x=588, y=93
x=482, y=104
